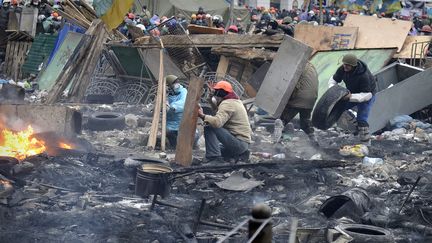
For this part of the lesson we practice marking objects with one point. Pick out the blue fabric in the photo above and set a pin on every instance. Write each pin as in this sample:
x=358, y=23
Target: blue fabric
x=175, y=112
x=363, y=110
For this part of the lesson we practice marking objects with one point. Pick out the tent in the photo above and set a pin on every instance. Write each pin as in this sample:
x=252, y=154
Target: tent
x=188, y=7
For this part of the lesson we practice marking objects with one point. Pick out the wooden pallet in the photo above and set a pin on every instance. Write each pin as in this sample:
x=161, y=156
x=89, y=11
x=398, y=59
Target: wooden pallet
x=16, y=52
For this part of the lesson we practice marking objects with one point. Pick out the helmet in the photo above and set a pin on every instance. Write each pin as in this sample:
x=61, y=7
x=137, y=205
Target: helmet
x=350, y=59
x=287, y=20
x=224, y=85
x=170, y=79
x=233, y=28
x=193, y=16
x=426, y=28
x=199, y=16
x=207, y=16
x=217, y=18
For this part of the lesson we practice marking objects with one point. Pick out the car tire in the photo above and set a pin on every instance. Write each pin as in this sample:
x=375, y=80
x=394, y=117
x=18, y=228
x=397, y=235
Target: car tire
x=106, y=121
x=362, y=233
x=329, y=107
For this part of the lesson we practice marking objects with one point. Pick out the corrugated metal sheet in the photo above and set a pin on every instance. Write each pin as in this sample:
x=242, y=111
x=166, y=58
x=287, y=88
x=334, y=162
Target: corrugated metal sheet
x=41, y=49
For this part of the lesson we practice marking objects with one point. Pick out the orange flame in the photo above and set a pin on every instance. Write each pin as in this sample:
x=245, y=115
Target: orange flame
x=20, y=144
x=65, y=146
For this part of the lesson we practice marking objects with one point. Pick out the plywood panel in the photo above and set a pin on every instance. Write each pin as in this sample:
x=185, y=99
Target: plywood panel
x=51, y=73
x=28, y=20
x=407, y=48
x=282, y=76
x=197, y=29
x=151, y=59
x=325, y=38
x=378, y=32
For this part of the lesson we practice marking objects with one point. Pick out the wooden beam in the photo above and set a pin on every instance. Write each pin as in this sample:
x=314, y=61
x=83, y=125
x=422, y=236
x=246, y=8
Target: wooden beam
x=87, y=68
x=223, y=65
x=209, y=41
x=245, y=53
x=186, y=134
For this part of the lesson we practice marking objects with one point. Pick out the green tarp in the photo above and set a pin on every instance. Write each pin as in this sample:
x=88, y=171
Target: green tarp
x=131, y=61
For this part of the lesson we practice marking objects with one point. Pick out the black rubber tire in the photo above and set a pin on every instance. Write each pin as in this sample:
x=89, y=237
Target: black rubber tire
x=106, y=121
x=329, y=108
x=99, y=99
x=370, y=233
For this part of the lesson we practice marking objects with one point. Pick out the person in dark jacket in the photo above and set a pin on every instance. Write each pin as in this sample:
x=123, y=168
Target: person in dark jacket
x=287, y=26
x=302, y=100
x=362, y=86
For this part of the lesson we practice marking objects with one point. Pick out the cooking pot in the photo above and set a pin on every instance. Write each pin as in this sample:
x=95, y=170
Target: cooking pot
x=153, y=179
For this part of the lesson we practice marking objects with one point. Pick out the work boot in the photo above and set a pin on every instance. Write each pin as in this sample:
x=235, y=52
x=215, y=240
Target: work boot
x=244, y=157
x=364, y=134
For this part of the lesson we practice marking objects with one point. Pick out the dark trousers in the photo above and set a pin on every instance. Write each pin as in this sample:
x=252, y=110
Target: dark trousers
x=172, y=138
x=220, y=142
x=305, y=115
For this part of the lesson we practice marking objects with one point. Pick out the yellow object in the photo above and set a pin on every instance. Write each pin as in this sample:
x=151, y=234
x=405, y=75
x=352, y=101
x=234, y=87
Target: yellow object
x=115, y=15
x=358, y=150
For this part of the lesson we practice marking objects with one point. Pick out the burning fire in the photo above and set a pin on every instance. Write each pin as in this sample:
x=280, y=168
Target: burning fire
x=65, y=146
x=20, y=144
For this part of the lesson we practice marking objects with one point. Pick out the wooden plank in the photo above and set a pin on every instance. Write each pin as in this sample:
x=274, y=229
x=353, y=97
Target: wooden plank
x=223, y=65
x=151, y=143
x=28, y=20
x=197, y=29
x=17, y=53
x=151, y=58
x=69, y=70
x=86, y=70
x=324, y=38
x=186, y=134
x=407, y=48
x=164, y=99
x=282, y=76
x=13, y=21
x=245, y=53
x=209, y=41
x=8, y=57
x=378, y=32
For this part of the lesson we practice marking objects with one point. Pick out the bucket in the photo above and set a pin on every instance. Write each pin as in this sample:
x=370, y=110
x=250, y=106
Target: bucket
x=153, y=179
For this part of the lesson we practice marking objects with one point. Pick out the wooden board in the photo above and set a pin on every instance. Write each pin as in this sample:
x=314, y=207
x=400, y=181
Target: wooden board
x=282, y=76
x=378, y=32
x=232, y=41
x=52, y=72
x=325, y=38
x=197, y=29
x=15, y=56
x=407, y=50
x=151, y=58
x=186, y=135
x=28, y=20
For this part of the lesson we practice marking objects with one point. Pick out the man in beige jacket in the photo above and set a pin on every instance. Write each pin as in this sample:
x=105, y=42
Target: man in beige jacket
x=228, y=133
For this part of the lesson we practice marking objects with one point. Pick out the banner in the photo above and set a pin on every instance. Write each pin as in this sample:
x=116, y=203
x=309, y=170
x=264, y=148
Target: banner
x=112, y=12
x=374, y=6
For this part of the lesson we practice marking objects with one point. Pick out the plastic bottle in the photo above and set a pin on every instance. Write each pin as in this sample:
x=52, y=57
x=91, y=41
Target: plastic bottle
x=372, y=161
x=278, y=128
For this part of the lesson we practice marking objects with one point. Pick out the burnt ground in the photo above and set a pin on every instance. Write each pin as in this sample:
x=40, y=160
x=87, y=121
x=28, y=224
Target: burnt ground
x=90, y=197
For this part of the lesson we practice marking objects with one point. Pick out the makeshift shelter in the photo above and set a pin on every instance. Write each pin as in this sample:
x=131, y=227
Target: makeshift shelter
x=188, y=7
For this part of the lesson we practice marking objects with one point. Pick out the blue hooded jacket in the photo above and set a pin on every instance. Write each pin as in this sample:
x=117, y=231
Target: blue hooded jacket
x=175, y=113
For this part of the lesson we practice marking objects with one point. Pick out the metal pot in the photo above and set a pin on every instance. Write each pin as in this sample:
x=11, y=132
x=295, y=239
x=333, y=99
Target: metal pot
x=153, y=179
